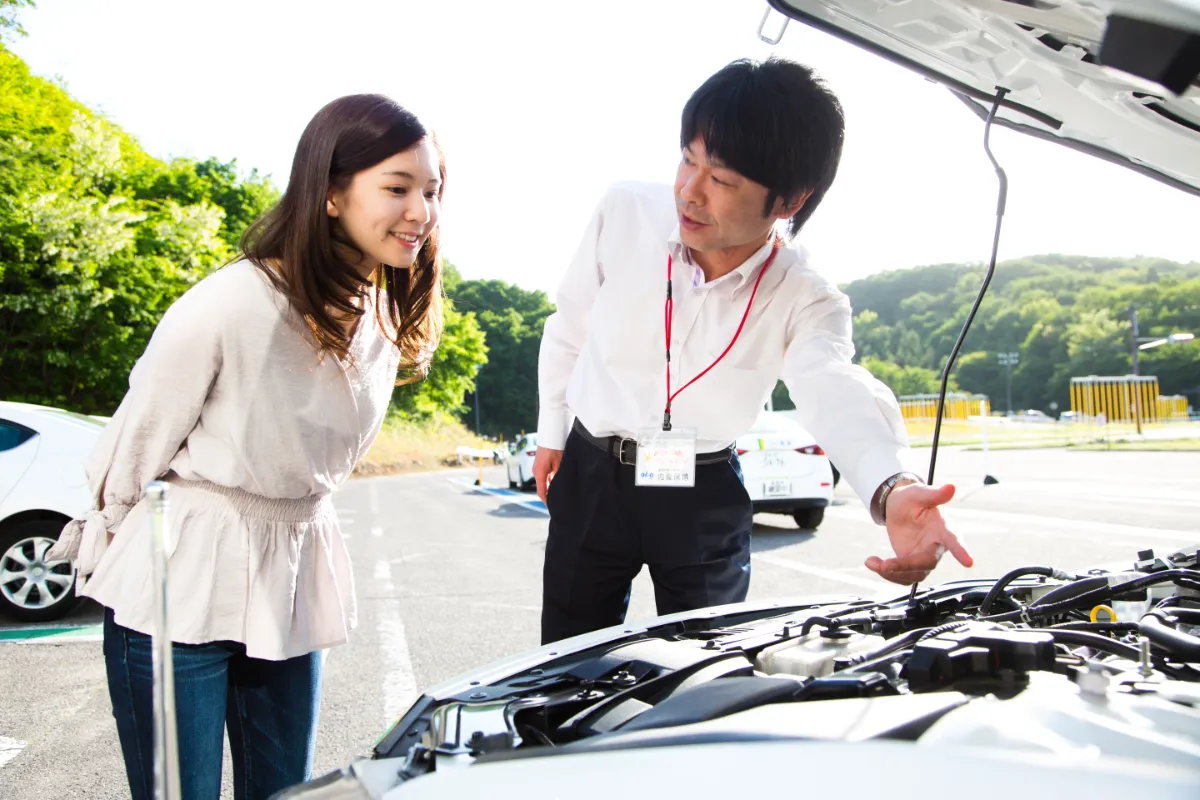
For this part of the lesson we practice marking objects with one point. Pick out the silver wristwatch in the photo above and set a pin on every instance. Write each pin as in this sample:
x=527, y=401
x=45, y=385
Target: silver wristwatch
x=879, y=507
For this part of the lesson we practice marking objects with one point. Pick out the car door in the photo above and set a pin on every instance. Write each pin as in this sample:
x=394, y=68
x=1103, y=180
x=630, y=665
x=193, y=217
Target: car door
x=18, y=446
x=514, y=473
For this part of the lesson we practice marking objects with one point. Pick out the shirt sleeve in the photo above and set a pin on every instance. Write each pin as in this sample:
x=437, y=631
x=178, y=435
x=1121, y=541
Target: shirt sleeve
x=854, y=417
x=168, y=387
x=565, y=332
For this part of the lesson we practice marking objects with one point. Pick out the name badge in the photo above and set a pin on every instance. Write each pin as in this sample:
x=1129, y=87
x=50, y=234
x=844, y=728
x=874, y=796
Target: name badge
x=666, y=458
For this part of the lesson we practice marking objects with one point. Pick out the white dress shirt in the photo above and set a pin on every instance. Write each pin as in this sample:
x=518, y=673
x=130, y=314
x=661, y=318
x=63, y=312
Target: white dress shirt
x=603, y=353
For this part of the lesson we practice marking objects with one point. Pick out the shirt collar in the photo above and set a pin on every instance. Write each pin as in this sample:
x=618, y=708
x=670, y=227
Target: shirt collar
x=740, y=277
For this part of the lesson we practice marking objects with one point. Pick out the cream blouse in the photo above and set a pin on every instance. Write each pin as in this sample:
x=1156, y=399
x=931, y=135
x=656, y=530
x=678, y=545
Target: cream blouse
x=252, y=430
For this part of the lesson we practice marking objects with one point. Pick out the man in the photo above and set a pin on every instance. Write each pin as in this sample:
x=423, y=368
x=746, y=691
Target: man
x=675, y=319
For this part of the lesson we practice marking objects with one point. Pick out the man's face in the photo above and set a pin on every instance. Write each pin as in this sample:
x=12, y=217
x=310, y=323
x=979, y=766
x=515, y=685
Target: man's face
x=718, y=208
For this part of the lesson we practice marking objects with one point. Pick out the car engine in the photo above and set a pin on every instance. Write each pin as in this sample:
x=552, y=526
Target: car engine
x=1040, y=662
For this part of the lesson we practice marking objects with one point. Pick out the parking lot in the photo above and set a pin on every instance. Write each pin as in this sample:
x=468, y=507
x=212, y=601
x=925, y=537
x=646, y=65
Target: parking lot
x=448, y=578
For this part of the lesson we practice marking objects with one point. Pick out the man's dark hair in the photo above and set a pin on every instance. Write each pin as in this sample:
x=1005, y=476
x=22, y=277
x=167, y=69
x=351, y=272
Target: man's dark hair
x=774, y=122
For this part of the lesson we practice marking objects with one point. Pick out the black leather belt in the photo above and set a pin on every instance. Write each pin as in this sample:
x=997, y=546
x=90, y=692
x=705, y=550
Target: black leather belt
x=625, y=450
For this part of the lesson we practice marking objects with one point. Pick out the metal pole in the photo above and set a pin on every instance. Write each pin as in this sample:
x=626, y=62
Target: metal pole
x=477, y=408
x=1008, y=362
x=1136, y=366
x=1133, y=337
x=988, y=478
x=166, y=746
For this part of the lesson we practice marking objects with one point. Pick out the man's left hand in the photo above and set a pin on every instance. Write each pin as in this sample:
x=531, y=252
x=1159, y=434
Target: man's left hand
x=918, y=534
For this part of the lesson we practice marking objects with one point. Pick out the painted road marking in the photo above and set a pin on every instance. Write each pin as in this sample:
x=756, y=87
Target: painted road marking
x=399, y=680
x=52, y=635
x=10, y=749
x=827, y=574
x=512, y=495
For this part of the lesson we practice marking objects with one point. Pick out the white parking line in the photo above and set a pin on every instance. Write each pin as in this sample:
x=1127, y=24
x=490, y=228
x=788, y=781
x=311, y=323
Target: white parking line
x=399, y=682
x=827, y=574
x=978, y=520
x=9, y=749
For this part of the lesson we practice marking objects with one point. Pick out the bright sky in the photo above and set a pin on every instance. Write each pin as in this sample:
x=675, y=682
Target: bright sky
x=540, y=105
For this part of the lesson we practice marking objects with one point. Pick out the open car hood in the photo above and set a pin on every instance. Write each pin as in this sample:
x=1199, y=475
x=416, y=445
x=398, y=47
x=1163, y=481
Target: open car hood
x=1114, y=78
x=1080, y=683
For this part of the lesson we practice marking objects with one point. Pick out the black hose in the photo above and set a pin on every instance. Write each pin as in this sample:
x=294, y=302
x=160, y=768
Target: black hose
x=1178, y=643
x=1100, y=595
x=1093, y=640
x=1177, y=601
x=1184, y=577
x=901, y=642
x=1189, y=616
x=1097, y=627
x=833, y=621
x=867, y=666
x=1019, y=572
x=1071, y=590
x=812, y=622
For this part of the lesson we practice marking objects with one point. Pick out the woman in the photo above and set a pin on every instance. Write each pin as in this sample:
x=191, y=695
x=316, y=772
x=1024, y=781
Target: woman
x=261, y=388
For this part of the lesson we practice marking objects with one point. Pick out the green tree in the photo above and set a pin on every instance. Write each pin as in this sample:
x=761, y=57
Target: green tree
x=906, y=380
x=1096, y=345
x=10, y=25
x=512, y=319
x=462, y=351
x=90, y=254
x=1066, y=316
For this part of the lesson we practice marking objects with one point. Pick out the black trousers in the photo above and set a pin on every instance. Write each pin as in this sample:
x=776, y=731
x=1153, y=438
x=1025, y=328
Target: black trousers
x=603, y=528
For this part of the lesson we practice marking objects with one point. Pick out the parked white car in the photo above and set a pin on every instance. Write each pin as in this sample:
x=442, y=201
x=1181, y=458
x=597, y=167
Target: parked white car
x=42, y=487
x=520, y=462
x=785, y=470
x=1030, y=415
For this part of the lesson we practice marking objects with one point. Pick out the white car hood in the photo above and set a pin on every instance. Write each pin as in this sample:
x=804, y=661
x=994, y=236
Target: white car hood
x=852, y=771
x=1114, y=78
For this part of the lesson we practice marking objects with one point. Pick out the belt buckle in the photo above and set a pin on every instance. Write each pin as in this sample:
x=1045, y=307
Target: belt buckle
x=621, y=442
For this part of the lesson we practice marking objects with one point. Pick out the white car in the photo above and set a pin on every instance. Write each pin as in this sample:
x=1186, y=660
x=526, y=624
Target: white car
x=785, y=470
x=1030, y=415
x=520, y=462
x=42, y=487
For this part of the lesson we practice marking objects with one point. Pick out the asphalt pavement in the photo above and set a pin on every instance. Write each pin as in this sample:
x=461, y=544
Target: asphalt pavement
x=448, y=578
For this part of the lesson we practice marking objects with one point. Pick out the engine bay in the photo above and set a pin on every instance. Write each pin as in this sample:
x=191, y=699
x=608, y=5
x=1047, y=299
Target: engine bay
x=1042, y=660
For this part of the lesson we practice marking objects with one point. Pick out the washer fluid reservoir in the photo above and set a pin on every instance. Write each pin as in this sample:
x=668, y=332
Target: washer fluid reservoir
x=813, y=655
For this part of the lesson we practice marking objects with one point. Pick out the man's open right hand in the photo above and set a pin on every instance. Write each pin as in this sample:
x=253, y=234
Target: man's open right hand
x=545, y=464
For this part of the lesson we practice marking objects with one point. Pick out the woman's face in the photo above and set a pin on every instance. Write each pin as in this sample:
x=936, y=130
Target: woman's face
x=389, y=210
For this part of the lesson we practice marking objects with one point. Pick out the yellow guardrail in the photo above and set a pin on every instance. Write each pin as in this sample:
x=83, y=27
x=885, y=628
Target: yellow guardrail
x=1126, y=398
x=959, y=405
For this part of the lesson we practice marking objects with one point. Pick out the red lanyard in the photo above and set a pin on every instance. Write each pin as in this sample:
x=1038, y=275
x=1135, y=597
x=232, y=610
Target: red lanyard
x=670, y=316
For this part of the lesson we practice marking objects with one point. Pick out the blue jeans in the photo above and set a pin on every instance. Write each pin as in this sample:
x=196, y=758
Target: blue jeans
x=269, y=707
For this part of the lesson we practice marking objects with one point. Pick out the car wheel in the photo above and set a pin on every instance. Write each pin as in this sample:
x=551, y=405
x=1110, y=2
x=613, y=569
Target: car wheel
x=837, y=476
x=511, y=483
x=32, y=589
x=809, y=518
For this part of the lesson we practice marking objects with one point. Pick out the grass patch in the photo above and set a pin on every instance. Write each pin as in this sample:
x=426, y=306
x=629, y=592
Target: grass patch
x=1002, y=436
x=410, y=446
x=1185, y=445
x=1035, y=445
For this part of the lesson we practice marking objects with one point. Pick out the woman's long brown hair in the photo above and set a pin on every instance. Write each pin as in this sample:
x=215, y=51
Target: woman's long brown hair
x=296, y=244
